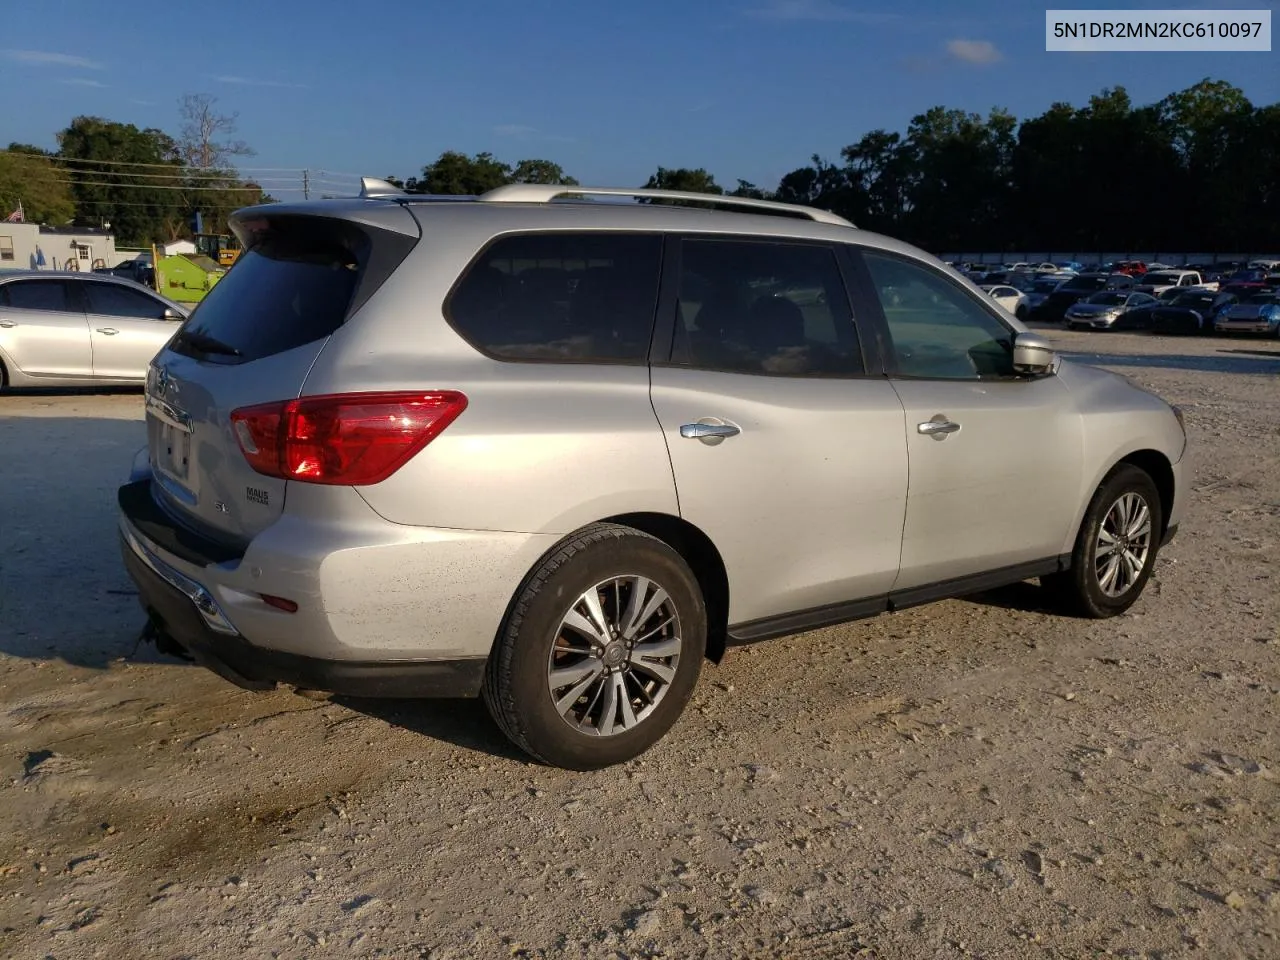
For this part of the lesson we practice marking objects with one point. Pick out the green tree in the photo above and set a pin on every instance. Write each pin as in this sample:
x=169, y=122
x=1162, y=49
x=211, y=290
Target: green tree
x=749, y=191
x=457, y=174
x=821, y=184
x=32, y=176
x=682, y=178
x=540, y=171
x=141, y=200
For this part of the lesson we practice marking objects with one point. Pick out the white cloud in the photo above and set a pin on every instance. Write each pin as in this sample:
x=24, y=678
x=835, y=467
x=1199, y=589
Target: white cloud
x=521, y=131
x=82, y=82
x=514, y=130
x=250, y=82
x=974, y=51
x=824, y=10
x=43, y=58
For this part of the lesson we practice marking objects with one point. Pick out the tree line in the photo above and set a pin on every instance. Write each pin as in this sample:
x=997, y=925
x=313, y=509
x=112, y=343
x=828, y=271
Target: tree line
x=144, y=182
x=1199, y=169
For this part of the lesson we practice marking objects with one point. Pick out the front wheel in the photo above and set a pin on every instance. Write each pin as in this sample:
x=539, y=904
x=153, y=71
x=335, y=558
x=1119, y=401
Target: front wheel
x=1116, y=548
x=600, y=650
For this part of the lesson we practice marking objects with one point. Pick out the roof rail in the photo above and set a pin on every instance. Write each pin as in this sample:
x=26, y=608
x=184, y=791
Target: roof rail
x=371, y=187
x=545, y=193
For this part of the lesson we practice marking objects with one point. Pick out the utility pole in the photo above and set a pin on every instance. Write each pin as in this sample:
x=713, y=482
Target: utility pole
x=306, y=185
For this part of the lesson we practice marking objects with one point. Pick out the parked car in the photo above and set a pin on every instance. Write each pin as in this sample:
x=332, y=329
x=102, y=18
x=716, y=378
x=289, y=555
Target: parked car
x=1010, y=298
x=1054, y=306
x=1254, y=313
x=79, y=329
x=1157, y=281
x=563, y=451
x=1108, y=310
x=1040, y=292
x=1190, y=312
x=1131, y=267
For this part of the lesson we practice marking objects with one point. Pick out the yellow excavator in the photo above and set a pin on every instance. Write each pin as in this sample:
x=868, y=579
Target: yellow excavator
x=220, y=248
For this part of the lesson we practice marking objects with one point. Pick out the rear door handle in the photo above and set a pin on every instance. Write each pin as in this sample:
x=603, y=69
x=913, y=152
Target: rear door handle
x=709, y=430
x=109, y=331
x=938, y=427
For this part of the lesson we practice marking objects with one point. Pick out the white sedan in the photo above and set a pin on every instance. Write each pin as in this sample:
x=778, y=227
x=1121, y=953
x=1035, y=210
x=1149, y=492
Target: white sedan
x=1010, y=298
x=80, y=329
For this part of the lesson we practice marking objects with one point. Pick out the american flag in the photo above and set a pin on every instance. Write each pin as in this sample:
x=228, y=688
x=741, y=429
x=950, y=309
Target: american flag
x=16, y=216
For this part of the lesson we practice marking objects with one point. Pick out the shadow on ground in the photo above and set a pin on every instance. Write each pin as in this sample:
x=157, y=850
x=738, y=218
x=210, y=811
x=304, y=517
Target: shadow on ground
x=1208, y=364
x=463, y=722
x=63, y=590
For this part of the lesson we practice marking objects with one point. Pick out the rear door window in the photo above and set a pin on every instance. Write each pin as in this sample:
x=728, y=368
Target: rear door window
x=49, y=295
x=567, y=297
x=764, y=307
x=113, y=300
x=292, y=286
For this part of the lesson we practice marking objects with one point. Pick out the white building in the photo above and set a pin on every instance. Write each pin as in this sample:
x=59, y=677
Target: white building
x=63, y=248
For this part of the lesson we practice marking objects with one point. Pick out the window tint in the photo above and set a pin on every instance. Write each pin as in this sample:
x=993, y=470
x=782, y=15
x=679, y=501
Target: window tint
x=38, y=295
x=570, y=297
x=112, y=300
x=765, y=308
x=293, y=286
x=938, y=330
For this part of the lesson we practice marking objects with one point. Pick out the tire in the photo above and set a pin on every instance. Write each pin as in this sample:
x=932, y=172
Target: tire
x=1086, y=589
x=1021, y=313
x=598, y=727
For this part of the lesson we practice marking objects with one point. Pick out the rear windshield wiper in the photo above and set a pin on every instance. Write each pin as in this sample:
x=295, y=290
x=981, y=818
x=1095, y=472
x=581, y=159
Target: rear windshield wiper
x=207, y=344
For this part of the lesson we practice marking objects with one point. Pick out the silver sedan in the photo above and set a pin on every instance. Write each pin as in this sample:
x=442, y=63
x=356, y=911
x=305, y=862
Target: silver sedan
x=69, y=329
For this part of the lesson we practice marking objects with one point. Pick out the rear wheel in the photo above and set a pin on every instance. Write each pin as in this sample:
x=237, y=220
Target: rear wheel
x=1115, y=550
x=600, y=651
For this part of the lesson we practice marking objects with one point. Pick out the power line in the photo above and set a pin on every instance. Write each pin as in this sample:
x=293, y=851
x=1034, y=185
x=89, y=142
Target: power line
x=151, y=186
x=197, y=178
x=55, y=158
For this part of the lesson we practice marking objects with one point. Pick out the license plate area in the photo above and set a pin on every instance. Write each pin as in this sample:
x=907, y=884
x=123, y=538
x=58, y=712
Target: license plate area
x=173, y=452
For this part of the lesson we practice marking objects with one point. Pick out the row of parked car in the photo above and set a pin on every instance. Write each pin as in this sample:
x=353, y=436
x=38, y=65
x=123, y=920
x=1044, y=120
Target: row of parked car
x=1170, y=300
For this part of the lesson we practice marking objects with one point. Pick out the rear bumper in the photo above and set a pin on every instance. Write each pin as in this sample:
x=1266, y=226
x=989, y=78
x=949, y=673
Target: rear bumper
x=1245, y=326
x=382, y=609
x=187, y=621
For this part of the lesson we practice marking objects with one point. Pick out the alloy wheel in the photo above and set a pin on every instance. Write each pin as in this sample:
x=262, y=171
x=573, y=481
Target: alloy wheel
x=615, y=655
x=1123, y=545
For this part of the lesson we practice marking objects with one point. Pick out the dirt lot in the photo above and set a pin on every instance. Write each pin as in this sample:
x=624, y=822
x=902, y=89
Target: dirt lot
x=977, y=778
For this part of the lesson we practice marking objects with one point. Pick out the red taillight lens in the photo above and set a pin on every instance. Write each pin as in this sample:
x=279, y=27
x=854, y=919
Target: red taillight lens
x=349, y=439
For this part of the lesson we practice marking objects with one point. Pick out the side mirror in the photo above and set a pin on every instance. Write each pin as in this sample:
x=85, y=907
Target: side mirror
x=172, y=314
x=1032, y=354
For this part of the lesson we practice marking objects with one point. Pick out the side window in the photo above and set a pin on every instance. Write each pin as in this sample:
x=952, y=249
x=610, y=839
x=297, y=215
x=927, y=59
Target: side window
x=764, y=307
x=568, y=297
x=112, y=300
x=38, y=295
x=938, y=330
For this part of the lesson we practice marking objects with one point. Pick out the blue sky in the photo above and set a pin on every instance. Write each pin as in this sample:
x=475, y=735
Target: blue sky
x=609, y=89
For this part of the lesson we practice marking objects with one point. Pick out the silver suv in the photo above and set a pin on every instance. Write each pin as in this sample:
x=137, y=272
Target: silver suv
x=556, y=450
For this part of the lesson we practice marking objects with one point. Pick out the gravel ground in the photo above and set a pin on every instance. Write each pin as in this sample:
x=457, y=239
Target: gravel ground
x=976, y=778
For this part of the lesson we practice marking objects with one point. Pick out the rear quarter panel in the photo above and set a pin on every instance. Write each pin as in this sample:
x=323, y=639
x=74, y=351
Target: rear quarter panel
x=541, y=448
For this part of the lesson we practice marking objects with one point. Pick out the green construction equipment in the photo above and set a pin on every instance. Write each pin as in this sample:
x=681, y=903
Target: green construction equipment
x=185, y=277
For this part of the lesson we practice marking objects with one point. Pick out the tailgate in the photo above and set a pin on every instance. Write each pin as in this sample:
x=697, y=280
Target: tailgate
x=252, y=340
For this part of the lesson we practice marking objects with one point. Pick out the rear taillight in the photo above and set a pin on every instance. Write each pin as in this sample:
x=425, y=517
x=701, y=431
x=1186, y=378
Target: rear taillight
x=348, y=439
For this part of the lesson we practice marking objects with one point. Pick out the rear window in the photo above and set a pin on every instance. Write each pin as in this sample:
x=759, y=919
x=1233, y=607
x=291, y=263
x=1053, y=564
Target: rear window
x=567, y=297
x=291, y=286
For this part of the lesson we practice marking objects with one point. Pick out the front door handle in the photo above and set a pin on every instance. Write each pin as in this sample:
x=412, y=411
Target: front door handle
x=7, y=324
x=709, y=430
x=109, y=331
x=938, y=427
